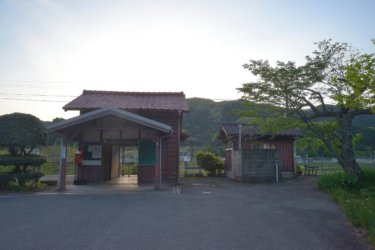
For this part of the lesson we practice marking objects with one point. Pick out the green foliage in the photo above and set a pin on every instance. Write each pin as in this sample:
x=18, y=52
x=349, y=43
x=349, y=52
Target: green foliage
x=21, y=133
x=360, y=76
x=29, y=160
x=52, y=152
x=20, y=180
x=130, y=168
x=299, y=95
x=204, y=119
x=338, y=180
x=356, y=199
x=209, y=162
x=299, y=170
x=52, y=168
x=28, y=186
x=312, y=146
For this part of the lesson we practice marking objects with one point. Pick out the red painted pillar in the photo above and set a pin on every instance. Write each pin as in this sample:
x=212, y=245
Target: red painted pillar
x=157, y=165
x=62, y=169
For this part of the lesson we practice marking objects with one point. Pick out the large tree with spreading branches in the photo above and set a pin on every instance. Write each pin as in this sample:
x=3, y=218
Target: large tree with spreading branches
x=334, y=85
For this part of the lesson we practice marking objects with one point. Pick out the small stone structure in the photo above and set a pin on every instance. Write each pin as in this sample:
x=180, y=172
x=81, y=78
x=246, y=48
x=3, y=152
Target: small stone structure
x=254, y=157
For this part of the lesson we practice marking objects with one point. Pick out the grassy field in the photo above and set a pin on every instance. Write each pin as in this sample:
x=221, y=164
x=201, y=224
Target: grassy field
x=330, y=167
x=356, y=198
x=52, y=168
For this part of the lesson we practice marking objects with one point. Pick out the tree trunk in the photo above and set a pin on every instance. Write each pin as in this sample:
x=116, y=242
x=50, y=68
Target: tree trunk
x=347, y=157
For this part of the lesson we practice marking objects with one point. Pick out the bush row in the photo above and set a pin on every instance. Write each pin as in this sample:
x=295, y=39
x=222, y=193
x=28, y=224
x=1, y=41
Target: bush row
x=19, y=178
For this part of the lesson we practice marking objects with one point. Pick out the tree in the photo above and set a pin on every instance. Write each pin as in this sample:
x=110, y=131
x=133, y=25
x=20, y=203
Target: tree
x=54, y=138
x=21, y=133
x=336, y=84
x=209, y=162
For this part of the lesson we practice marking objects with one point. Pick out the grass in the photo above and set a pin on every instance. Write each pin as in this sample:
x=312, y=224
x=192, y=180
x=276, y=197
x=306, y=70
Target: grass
x=28, y=187
x=48, y=168
x=328, y=168
x=356, y=198
x=52, y=168
x=129, y=168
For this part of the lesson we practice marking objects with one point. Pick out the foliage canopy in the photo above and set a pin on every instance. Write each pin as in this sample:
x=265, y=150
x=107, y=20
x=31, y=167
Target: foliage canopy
x=21, y=133
x=336, y=84
x=209, y=162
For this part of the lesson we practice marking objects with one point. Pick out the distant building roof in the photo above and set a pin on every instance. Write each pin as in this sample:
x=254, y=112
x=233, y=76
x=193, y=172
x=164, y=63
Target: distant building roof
x=91, y=99
x=232, y=129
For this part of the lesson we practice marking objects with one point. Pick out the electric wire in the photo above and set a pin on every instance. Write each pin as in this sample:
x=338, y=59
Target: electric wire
x=55, y=85
x=44, y=95
x=31, y=100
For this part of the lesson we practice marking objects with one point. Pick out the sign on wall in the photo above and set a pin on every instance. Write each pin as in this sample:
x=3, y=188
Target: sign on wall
x=146, y=152
x=92, y=151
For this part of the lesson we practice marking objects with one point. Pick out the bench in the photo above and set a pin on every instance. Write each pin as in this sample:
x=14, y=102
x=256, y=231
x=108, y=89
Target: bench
x=311, y=169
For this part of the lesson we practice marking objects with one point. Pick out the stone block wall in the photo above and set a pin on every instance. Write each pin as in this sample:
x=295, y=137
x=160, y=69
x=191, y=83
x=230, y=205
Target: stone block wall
x=259, y=165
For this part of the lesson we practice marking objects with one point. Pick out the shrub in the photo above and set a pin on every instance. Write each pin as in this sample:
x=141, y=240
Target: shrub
x=338, y=181
x=27, y=187
x=29, y=160
x=209, y=162
x=7, y=179
x=299, y=170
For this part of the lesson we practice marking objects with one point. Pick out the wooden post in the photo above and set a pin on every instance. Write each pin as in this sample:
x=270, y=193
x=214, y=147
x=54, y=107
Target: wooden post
x=62, y=169
x=157, y=166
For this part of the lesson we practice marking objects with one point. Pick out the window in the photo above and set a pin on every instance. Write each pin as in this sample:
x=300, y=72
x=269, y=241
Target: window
x=262, y=145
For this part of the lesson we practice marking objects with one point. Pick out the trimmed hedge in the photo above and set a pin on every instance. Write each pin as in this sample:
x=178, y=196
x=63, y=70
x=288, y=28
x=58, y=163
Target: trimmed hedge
x=31, y=160
x=6, y=178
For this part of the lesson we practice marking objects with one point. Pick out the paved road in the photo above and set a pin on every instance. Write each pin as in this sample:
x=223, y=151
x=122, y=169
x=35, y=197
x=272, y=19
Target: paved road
x=209, y=214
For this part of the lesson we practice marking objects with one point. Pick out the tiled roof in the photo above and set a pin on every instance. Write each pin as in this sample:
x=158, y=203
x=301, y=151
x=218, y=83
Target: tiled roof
x=232, y=129
x=91, y=99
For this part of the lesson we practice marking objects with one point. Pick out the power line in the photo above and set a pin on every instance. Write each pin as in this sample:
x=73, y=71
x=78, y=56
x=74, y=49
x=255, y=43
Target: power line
x=60, y=82
x=58, y=85
x=2, y=93
x=31, y=100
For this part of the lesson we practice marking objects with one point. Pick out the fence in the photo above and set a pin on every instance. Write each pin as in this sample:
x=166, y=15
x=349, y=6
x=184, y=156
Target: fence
x=331, y=165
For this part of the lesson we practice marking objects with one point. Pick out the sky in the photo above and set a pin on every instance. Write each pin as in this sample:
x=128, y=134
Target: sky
x=51, y=50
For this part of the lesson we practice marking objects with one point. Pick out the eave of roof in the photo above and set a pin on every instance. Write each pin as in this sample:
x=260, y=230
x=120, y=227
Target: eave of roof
x=232, y=129
x=99, y=113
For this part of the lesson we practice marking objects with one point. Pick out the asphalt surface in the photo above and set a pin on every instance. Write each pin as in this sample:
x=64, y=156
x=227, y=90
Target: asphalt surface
x=209, y=214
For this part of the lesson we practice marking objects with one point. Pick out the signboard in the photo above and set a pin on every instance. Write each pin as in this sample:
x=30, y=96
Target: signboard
x=92, y=151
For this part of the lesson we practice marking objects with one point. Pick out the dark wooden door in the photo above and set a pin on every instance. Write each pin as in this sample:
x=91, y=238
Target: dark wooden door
x=106, y=161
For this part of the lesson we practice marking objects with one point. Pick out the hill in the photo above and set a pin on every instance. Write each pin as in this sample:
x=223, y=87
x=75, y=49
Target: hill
x=205, y=117
x=203, y=121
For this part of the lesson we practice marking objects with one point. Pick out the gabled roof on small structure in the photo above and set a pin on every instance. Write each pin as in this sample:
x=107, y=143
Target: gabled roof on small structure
x=91, y=99
x=99, y=113
x=233, y=130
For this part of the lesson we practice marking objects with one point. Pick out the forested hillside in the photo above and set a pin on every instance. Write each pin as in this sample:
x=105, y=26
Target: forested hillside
x=203, y=121
x=205, y=117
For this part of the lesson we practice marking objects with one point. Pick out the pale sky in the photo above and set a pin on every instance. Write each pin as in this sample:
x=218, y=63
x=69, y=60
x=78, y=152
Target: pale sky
x=53, y=50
